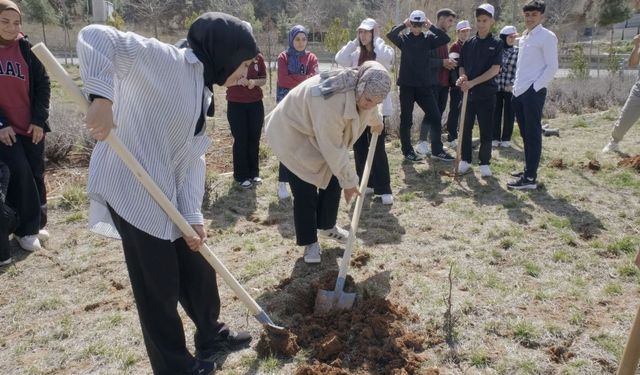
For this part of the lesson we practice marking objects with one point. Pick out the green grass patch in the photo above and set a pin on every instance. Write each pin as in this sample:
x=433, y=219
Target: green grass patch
x=479, y=358
x=561, y=255
x=579, y=123
x=628, y=270
x=613, y=289
x=624, y=179
x=74, y=198
x=531, y=269
x=524, y=330
x=269, y=365
x=612, y=344
x=626, y=245
x=74, y=217
x=506, y=243
x=407, y=197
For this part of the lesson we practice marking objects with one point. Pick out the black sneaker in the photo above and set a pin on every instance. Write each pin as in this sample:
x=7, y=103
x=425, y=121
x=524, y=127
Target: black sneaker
x=203, y=368
x=236, y=340
x=517, y=174
x=523, y=183
x=412, y=156
x=443, y=155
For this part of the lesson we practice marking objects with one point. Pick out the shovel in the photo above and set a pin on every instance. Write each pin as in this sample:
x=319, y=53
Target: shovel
x=629, y=361
x=60, y=75
x=463, y=113
x=327, y=300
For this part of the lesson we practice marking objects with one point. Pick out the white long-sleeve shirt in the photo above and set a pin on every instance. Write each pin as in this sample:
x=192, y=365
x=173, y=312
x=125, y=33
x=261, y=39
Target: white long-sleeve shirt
x=537, y=60
x=158, y=93
x=349, y=55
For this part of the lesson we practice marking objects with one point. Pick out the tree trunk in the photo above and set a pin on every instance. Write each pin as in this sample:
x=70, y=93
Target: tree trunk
x=44, y=35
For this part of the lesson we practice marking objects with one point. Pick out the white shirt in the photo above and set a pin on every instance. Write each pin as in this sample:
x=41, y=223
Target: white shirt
x=537, y=60
x=157, y=92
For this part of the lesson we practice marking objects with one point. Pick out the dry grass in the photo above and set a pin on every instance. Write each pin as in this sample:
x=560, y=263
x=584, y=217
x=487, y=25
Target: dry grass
x=543, y=282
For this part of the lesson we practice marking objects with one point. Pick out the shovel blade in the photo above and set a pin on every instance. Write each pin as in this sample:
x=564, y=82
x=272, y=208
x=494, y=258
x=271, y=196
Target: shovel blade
x=330, y=300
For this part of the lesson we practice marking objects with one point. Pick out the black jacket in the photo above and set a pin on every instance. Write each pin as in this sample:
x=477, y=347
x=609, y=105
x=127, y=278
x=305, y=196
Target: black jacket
x=39, y=88
x=415, y=64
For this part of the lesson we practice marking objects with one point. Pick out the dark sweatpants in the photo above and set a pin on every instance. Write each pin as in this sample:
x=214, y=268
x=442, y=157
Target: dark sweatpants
x=453, y=119
x=245, y=121
x=425, y=98
x=313, y=208
x=441, y=94
x=163, y=273
x=528, y=109
x=503, y=117
x=482, y=109
x=379, y=179
x=27, y=194
x=5, y=222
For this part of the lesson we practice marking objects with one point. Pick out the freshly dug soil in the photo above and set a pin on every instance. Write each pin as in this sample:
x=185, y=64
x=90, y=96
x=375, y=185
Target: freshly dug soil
x=372, y=337
x=556, y=163
x=631, y=162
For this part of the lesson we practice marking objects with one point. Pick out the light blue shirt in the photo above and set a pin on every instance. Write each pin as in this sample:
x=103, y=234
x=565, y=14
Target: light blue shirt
x=157, y=92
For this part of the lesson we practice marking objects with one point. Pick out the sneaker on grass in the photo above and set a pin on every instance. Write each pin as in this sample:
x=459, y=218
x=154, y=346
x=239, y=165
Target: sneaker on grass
x=443, y=155
x=29, y=243
x=312, y=253
x=523, y=183
x=422, y=148
x=412, y=156
x=335, y=233
x=485, y=171
x=611, y=147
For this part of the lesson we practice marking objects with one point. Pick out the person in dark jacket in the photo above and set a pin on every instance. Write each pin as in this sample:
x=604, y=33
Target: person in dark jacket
x=24, y=111
x=415, y=80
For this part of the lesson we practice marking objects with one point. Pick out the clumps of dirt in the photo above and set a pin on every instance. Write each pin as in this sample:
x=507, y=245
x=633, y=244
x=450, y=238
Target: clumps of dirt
x=277, y=342
x=556, y=163
x=593, y=165
x=373, y=337
x=360, y=260
x=631, y=162
x=560, y=354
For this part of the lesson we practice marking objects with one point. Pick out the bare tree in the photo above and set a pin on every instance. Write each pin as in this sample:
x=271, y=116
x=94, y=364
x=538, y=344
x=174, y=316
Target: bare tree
x=153, y=12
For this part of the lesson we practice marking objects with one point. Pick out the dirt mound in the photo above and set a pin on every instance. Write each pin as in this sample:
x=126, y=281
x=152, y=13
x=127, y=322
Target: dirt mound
x=359, y=260
x=631, y=162
x=556, y=163
x=372, y=337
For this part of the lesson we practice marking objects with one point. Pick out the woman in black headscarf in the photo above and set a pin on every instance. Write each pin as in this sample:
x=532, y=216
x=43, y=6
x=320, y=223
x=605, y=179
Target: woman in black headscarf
x=157, y=96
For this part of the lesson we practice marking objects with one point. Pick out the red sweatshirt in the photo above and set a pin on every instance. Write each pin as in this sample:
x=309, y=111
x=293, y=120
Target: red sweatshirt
x=289, y=81
x=242, y=94
x=15, y=104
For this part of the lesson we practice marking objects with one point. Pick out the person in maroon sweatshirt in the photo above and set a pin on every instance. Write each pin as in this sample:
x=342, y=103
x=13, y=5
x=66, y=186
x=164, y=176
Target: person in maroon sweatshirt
x=245, y=112
x=24, y=111
x=463, y=31
x=294, y=66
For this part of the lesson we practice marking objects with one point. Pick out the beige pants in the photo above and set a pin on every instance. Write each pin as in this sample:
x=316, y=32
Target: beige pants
x=630, y=114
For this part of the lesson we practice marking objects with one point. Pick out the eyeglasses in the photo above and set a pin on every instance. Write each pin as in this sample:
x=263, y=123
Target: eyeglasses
x=417, y=24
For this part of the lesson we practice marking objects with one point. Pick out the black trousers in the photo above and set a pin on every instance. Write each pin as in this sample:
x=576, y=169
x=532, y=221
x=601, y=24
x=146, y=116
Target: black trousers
x=427, y=102
x=379, y=179
x=441, y=93
x=163, y=273
x=528, y=110
x=26, y=194
x=482, y=109
x=313, y=208
x=283, y=173
x=5, y=249
x=245, y=120
x=455, y=101
x=503, y=117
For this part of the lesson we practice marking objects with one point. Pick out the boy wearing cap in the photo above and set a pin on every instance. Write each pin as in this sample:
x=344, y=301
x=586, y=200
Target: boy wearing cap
x=415, y=80
x=441, y=66
x=463, y=30
x=537, y=64
x=503, y=116
x=480, y=60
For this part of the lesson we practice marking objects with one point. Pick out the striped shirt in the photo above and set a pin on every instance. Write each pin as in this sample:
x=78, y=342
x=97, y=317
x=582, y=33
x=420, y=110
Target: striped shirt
x=158, y=94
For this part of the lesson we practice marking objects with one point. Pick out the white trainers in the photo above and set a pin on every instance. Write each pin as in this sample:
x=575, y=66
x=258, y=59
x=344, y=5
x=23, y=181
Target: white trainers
x=611, y=147
x=387, y=199
x=505, y=144
x=422, y=148
x=29, y=243
x=256, y=180
x=335, y=233
x=453, y=144
x=495, y=143
x=463, y=168
x=485, y=171
x=43, y=235
x=368, y=191
x=283, y=193
x=246, y=184
x=312, y=253
x=5, y=262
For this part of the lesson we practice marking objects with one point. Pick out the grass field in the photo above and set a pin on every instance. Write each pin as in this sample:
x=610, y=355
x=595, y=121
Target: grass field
x=542, y=282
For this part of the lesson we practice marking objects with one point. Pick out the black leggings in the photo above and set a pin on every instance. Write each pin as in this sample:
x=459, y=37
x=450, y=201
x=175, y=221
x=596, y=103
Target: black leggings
x=245, y=120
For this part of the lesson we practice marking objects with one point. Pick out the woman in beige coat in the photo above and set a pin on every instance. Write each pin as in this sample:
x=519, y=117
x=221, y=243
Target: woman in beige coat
x=311, y=131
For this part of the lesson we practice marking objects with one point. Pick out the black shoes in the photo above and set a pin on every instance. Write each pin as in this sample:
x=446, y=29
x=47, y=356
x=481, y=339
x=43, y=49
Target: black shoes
x=443, y=155
x=523, y=183
x=412, y=156
x=236, y=340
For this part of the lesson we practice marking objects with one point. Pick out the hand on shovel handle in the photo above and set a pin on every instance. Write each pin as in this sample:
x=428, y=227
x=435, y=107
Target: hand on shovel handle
x=350, y=193
x=195, y=242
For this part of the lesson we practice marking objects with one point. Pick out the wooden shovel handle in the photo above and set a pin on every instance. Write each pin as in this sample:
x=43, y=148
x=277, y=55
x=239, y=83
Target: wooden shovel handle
x=463, y=113
x=629, y=362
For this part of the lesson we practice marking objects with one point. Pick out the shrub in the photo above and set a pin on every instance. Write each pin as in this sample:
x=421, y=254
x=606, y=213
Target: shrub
x=68, y=133
x=586, y=95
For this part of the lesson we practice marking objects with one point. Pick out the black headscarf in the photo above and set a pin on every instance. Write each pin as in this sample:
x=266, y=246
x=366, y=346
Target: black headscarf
x=221, y=42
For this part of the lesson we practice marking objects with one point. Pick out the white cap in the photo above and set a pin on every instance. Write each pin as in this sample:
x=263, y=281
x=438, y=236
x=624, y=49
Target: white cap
x=368, y=24
x=463, y=25
x=487, y=8
x=417, y=16
x=508, y=30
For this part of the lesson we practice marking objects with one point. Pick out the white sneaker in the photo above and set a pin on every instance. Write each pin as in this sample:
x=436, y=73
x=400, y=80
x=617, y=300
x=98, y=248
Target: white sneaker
x=283, y=193
x=312, y=253
x=246, y=184
x=485, y=171
x=422, y=148
x=5, y=262
x=387, y=199
x=43, y=235
x=505, y=144
x=463, y=168
x=256, y=180
x=611, y=147
x=453, y=144
x=335, y=233
x=495, y=143
x=368, y=191
x=29, y=243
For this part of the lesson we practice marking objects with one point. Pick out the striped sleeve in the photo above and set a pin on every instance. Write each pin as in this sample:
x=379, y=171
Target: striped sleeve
x=104, y=52
x=191, y=192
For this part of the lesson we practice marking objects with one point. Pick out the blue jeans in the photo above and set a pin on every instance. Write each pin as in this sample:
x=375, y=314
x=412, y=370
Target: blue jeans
x=528, y=110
